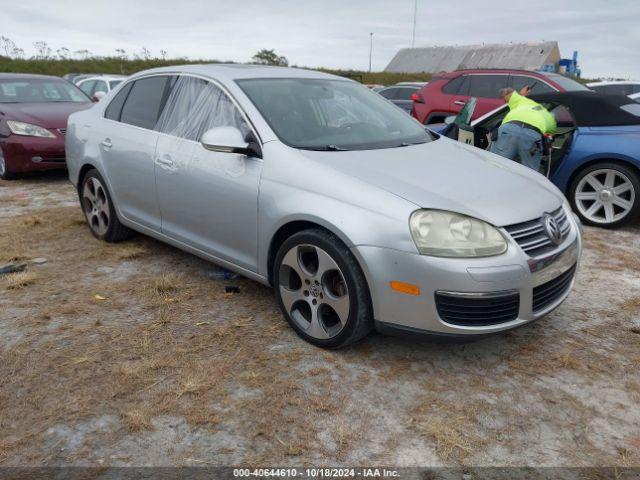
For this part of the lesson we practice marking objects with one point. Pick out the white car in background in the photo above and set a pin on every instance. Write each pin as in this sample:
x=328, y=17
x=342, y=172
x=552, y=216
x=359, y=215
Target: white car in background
x=615, y=87
x=98, y=86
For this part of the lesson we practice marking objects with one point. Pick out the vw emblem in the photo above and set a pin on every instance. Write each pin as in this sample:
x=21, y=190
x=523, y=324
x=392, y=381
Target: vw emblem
x=551, y=228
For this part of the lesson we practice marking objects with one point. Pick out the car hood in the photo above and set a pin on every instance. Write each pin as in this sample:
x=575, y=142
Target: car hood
x=48, y=115
x=448, y=175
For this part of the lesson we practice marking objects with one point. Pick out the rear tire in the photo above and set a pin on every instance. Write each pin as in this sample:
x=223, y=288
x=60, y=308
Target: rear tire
x=99, y=210
x=321, y=290
x=606, y=194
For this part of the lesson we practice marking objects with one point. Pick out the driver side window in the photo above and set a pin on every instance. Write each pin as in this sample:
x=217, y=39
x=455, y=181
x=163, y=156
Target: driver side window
x=195, y=106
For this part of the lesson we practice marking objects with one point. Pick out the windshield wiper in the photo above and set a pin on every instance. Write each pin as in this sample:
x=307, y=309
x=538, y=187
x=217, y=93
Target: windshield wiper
x=326, y=148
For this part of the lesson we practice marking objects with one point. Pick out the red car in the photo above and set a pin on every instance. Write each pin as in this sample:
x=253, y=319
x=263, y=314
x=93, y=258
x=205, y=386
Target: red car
x=447, y=93
x=33, y=120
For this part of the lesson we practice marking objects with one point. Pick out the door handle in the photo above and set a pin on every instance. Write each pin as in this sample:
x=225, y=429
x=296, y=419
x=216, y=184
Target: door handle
x=459, y=102
x=164, y=162
x=106, y=143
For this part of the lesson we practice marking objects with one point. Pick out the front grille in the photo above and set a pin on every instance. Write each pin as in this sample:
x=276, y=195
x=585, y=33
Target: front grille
x=478, y=310
x=63, y=131
x=547, y=293
x=532, y=237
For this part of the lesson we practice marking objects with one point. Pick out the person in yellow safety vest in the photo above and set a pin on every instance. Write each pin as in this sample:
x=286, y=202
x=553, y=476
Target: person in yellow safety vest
x=521, y=134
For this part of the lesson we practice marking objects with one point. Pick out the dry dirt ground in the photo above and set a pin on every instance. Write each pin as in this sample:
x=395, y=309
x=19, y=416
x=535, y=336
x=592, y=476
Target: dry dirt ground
x=130, y=354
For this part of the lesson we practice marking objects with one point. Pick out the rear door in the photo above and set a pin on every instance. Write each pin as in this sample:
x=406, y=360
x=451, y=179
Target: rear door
x=128, y=144
x=486, y=88
x=458, y=92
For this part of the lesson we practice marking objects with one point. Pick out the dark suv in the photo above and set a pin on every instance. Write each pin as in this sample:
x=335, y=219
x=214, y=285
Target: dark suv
x=447, y=93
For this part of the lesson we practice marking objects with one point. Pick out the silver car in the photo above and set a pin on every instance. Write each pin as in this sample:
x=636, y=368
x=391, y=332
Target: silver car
x=356, y=215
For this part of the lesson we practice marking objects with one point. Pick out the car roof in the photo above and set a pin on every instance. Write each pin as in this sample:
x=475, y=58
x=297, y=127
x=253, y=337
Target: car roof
x=612, y=82
x=27, y=76
x=230, y=72
x=104, y=77
x=591, y=109
x=456, y=73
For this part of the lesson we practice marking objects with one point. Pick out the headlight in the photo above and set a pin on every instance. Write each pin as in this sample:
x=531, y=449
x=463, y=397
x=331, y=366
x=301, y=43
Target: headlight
x=447, y=234
x=28, y=130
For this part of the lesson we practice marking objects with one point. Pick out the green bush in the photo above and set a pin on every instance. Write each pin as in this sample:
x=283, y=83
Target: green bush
x=115, y=65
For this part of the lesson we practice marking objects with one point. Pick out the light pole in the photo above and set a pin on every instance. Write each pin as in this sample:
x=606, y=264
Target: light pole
x=370, y=49
x=415, y=14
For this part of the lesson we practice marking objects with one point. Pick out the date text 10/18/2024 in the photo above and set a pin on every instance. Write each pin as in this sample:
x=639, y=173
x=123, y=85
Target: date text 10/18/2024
x=316, y=472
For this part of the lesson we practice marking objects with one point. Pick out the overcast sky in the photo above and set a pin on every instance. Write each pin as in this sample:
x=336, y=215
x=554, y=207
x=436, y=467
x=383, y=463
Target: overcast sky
x=329, y=33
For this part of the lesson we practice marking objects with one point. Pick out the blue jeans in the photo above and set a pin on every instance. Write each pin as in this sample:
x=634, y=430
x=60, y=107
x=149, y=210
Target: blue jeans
x=516, y=142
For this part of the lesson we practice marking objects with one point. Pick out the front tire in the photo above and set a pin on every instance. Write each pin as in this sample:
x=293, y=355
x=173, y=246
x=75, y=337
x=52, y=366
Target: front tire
x=4, y=173
x=321, y=290
x=99, y=211
x=606, y=194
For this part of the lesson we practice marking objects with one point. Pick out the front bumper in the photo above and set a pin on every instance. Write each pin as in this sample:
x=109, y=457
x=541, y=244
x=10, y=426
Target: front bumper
x=25, y=154
x=514, y=273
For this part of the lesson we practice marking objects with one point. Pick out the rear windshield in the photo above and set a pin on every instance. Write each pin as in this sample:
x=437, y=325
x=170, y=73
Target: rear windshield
x=40, y=91
x=566, y=83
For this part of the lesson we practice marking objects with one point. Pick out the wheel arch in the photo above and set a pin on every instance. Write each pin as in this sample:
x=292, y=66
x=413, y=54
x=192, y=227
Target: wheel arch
x=593, y=161
x=83, y=172
x=292, y=227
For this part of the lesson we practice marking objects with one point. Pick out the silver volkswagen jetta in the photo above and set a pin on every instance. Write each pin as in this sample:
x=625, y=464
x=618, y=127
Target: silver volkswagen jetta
x=357, y=216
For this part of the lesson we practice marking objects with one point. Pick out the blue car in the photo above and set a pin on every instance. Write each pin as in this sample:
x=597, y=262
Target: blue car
x=595, y=156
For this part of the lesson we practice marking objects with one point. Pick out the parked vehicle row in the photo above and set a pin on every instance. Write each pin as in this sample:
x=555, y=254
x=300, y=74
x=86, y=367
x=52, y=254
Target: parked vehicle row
x=356, y=215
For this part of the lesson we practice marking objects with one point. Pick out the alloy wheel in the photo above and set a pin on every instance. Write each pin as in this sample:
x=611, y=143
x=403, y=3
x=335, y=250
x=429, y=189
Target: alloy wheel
x=95, y=204
x=605, y=196
x=2, y=164
x=314, y=291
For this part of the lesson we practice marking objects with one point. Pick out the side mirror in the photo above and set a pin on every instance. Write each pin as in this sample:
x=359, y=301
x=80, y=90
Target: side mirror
x=229, y=140
x=450, y=119
x=98, y=96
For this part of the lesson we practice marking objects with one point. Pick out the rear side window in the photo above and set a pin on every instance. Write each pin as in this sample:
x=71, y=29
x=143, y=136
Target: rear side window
x=389, y=93
x=115, y=107
x=487, y=86
x=457, y=86
x=143, y=105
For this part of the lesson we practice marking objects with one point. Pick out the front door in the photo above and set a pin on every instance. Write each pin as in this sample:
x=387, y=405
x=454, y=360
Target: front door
x=208, y=200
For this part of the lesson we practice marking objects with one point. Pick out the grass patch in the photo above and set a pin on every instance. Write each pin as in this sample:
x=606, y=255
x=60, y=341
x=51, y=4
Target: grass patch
x=131, y=251
x=136, y=420
x=15, y=281
x=167, y=283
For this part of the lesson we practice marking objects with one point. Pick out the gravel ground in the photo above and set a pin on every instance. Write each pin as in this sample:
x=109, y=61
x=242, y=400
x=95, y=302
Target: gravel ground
x=131, y=354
